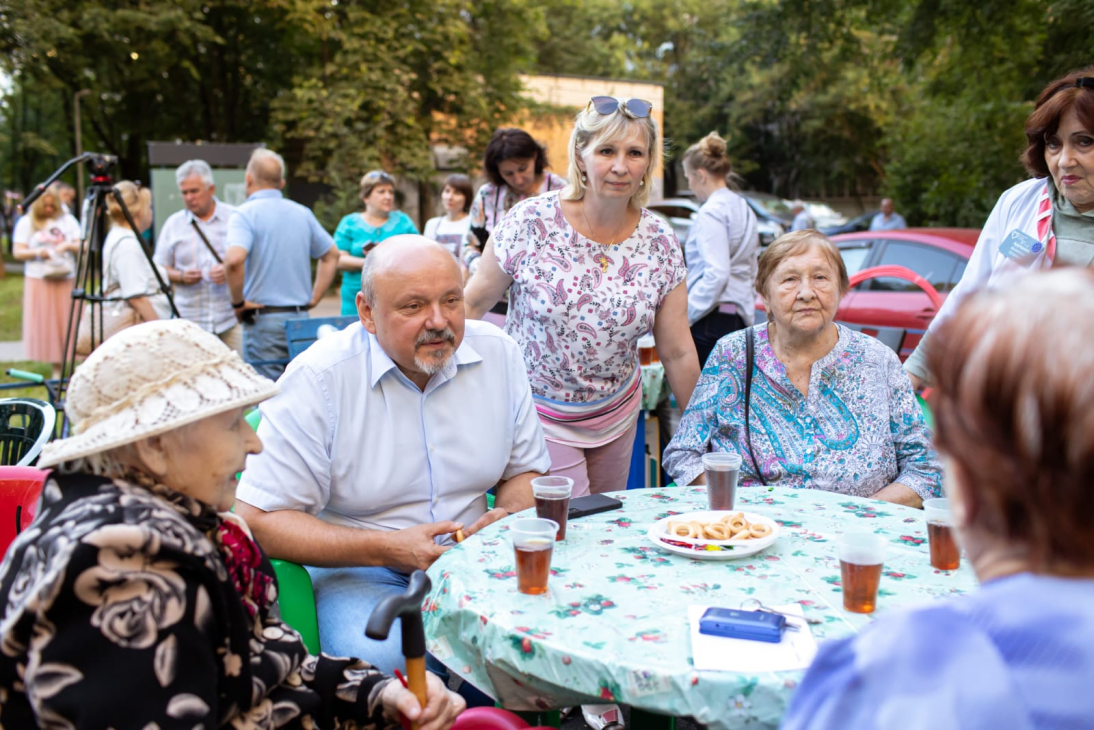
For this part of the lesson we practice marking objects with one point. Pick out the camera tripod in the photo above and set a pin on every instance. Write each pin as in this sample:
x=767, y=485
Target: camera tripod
x=89, y=261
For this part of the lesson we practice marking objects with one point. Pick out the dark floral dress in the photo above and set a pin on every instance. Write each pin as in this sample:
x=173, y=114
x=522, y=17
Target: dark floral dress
x=129, y=605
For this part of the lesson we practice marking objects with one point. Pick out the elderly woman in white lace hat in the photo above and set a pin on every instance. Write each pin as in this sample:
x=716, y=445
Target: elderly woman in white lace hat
x=135, y=599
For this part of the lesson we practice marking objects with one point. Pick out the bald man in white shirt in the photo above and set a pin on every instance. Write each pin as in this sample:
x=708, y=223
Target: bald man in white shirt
x=385, y=439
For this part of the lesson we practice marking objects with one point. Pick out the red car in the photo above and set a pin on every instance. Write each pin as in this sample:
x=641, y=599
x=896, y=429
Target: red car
x=897, y=310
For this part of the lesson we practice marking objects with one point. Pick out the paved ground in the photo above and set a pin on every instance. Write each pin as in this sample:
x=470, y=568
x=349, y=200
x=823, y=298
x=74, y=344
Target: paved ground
x=11, y=351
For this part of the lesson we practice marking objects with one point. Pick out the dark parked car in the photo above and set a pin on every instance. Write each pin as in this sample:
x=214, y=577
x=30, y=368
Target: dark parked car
x=856, y=224
x=895, y=310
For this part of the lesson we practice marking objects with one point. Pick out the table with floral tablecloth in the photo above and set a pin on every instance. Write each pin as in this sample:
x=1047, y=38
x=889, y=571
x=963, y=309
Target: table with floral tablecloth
x=613, y=625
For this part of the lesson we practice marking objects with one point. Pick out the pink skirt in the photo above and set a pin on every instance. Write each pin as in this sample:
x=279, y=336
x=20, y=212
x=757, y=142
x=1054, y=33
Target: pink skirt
x=46, y=307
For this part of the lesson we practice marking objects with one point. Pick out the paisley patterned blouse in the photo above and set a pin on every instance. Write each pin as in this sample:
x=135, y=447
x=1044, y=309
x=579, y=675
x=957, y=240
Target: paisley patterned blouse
x=859, y=430
x=134, y=606
x=577, y=308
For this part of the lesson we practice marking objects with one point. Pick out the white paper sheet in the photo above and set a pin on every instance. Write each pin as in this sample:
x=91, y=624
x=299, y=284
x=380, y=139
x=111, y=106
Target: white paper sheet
x=720, y=653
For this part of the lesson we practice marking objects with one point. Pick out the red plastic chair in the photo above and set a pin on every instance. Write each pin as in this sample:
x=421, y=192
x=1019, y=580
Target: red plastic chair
x=20, y=487
x=491, y=718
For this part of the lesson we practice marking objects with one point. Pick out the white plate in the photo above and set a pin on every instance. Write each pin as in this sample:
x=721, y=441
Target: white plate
x=727, y=549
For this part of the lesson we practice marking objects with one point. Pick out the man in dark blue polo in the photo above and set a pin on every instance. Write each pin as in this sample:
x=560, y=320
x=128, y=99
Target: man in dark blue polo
x=271, y=241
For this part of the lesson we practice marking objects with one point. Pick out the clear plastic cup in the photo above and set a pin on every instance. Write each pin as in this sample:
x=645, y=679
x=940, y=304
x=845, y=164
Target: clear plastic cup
x=945, y=552
x=533, y=543
x=552, y=495
x=861, y=556
x=722, y=469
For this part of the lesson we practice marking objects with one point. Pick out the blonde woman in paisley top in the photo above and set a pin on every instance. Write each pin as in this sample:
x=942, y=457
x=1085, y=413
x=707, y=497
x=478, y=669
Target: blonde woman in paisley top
x=589, y=271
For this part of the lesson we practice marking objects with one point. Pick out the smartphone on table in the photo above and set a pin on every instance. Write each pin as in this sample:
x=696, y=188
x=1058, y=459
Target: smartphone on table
x=592, y=504
x=737, y=624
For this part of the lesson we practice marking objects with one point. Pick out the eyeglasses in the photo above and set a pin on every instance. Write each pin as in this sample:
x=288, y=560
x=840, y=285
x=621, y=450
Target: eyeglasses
x=1085, y=81
x=638, y=108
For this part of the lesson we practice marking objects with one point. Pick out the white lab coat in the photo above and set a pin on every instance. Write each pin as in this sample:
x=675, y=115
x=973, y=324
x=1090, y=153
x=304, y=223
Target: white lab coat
x=988, y=268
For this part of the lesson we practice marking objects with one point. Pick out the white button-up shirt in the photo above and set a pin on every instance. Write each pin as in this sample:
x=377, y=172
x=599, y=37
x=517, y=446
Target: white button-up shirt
x=721, y=254
x=352, y=440
x=179, y=246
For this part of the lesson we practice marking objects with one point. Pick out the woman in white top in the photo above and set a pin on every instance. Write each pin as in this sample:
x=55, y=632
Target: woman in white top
x=127, y=271
x=46, y=240
x=1044, y=222
x=720, y=249
x=450, y=229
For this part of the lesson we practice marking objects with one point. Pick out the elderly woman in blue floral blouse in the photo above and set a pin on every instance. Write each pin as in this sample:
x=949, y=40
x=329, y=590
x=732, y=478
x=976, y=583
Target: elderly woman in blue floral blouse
x=830, y=408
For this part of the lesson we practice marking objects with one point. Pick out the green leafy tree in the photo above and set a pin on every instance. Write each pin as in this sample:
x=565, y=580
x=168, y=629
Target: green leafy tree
x=157, y=69
x=390, y=80
x=34, y=136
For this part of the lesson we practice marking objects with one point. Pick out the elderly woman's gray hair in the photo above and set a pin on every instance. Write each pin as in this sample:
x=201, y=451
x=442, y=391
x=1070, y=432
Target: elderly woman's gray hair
x=793, y=244
x=194, y=167
x=592, y=128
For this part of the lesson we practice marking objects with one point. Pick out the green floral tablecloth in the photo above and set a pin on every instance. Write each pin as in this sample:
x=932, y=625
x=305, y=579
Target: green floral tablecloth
x=652, y=378
x=614, y=626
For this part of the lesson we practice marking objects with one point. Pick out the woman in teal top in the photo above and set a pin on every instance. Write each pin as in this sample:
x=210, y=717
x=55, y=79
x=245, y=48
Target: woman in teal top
x=359, y=232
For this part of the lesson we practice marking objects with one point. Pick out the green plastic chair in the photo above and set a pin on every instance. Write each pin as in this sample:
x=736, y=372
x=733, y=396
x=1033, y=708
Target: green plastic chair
x=927, y=415
x=254, y=418
x=295, y=594
x=297, y=600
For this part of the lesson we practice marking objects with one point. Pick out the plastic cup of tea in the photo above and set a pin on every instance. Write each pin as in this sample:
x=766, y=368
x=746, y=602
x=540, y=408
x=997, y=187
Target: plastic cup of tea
x=945, y=552
x=552, y=495
x=722, y=469
x=533, y=542
x=861, y=555
x=647, y=350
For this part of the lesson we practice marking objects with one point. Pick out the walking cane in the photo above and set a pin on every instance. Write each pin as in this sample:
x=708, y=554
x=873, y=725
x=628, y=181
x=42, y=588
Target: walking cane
x=408, y=607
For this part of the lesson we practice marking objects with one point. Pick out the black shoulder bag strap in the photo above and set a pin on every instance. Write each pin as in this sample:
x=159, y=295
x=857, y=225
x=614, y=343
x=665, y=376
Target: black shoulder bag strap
x=205, y=240
x=750, y=345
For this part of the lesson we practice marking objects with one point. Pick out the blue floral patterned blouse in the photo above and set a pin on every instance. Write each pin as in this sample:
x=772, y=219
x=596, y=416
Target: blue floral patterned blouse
x=859, y=429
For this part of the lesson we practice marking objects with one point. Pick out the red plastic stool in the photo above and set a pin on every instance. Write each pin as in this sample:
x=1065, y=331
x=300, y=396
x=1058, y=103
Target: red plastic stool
x=20, y=487
x=491, y=718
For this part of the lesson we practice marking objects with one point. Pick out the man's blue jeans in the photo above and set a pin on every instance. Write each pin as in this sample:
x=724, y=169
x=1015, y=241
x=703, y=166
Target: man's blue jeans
x=344, y=599
x=265, y=340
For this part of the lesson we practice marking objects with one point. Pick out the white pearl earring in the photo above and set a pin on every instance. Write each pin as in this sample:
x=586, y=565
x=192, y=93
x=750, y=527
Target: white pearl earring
x=584, y=179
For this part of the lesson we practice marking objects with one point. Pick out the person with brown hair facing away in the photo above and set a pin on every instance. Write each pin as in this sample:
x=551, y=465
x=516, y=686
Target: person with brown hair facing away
x=1015, y=426
x=127, y=273
x=720, y=249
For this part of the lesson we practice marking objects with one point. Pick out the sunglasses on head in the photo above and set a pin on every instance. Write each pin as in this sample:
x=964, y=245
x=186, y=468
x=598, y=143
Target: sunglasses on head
x=638, y=108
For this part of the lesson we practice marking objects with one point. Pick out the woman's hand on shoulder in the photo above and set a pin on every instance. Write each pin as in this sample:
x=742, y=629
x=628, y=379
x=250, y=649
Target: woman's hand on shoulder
x=441, y=708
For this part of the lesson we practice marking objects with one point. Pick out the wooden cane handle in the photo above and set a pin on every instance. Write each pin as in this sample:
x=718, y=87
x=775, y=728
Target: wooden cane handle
x=415, y=679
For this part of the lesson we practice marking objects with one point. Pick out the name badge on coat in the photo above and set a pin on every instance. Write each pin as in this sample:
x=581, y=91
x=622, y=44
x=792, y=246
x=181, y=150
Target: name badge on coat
x=1021, y=247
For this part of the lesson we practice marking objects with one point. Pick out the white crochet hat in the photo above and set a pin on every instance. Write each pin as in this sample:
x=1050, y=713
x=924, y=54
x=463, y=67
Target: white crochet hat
x=150, y=379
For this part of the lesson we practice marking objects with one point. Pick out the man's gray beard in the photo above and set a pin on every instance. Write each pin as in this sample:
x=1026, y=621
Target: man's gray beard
x=435, y=364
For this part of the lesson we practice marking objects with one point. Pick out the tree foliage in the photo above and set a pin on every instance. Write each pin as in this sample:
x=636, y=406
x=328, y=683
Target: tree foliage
x=921, y=99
